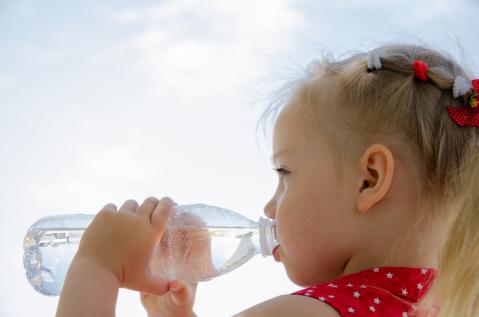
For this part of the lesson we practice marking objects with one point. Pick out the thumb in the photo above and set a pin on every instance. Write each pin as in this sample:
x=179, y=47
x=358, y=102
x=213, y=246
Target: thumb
x=155, y=285
x=180, y=293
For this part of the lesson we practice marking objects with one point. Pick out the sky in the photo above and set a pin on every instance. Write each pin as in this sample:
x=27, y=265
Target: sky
x=104, y=101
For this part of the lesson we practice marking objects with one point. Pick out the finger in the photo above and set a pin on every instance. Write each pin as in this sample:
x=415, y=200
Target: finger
x=147, y=207
x=144, y=296
x=129, y=206
x=110, y=206
x=180, y=293
x=161, y=213
x=155, y=285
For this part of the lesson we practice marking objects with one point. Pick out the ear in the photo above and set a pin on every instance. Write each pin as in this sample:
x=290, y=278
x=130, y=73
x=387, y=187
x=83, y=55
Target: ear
x=376, y=174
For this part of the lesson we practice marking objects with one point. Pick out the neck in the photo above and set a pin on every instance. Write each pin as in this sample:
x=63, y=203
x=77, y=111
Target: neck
x=404, y=258
x=396, y=238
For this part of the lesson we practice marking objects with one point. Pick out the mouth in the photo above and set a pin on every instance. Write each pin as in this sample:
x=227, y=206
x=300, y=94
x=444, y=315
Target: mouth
x=275, y=253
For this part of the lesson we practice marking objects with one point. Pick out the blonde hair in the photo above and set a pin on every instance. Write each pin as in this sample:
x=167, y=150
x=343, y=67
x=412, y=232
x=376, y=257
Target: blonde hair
x=353, y=106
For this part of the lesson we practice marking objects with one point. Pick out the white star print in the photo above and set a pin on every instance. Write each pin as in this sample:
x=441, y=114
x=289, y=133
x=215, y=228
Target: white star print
x=358, y=294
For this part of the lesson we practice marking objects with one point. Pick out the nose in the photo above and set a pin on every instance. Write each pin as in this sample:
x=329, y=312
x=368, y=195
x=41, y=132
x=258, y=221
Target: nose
x=270, y=209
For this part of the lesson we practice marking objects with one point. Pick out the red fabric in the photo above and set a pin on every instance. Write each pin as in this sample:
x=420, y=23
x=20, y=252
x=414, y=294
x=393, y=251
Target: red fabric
x=465, y=116
x=388, y=291
x=475, y=85
x=420, y=69
x=469, y=115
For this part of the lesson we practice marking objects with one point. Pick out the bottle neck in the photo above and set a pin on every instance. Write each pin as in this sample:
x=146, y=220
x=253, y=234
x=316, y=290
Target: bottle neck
x=267, y=236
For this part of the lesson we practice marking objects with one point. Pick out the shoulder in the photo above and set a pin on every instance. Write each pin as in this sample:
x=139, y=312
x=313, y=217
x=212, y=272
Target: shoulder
x=290, y=305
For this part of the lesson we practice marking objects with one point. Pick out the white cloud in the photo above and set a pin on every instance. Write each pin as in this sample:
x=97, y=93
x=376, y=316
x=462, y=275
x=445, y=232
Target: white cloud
x=107, y=116
x=195, y=47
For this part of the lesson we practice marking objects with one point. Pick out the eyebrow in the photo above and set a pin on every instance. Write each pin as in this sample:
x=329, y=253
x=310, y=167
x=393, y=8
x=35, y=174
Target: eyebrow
x=278, y=153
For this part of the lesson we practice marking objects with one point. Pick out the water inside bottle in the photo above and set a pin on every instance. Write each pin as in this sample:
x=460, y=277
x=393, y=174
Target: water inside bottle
x=47, y=256
x=201, y=253
x=189, y=253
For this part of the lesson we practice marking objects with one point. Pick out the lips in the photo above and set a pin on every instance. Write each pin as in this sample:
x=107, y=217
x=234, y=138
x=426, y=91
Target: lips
x=275, y=253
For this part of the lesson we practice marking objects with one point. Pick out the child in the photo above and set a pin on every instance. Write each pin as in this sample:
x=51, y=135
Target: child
x=376, y=205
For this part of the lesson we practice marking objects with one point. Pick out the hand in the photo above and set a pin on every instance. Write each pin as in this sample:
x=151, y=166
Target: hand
x=123, y=242
x=178, y=302
x=183, y=252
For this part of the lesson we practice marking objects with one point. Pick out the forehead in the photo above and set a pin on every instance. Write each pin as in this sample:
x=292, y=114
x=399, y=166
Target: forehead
x=291, y=130
x=287, y=122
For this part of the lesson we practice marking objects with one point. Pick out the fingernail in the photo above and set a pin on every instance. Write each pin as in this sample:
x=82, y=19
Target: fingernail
x=175, y=287
x=110, y=206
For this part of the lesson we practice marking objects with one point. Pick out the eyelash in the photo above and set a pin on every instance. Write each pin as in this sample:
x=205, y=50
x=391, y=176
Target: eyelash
x=281, y=172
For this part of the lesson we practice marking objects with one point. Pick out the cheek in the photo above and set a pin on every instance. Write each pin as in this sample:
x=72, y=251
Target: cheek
x=308, y=218
x=307, y=204
x=313, y=229
x=299, y=210
x=321, y=196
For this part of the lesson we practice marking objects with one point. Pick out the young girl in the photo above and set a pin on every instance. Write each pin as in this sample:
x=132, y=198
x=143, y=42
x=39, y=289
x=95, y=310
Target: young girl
x=376, y=205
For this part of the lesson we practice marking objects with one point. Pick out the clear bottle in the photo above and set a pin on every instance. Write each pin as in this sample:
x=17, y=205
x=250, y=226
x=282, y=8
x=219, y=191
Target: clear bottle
x=200, y=242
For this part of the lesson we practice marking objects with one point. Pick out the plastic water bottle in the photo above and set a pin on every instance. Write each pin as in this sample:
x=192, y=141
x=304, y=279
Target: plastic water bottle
x=200, y=242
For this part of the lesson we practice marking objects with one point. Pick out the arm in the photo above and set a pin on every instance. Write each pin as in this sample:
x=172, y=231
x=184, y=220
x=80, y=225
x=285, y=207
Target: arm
x=115, y=251
x=290, y=305
x=89, y=290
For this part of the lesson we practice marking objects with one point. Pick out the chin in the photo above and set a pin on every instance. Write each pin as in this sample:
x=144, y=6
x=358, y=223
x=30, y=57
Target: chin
x=299, y=278
x=305, y=277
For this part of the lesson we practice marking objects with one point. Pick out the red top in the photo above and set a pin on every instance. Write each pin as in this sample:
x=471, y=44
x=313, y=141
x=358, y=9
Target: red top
x=388, y=291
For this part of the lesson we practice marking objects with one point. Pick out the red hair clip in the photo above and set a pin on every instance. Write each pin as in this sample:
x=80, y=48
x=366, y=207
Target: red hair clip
x=467, y=116
x=420, y=69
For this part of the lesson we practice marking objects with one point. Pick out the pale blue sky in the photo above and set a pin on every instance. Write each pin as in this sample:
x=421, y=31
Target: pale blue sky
x=102, y=101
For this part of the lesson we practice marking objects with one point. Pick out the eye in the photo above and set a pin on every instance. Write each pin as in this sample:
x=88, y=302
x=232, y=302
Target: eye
x=281, y=172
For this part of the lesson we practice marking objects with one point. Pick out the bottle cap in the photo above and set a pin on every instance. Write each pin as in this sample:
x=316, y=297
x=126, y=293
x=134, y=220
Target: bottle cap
x=267, y=228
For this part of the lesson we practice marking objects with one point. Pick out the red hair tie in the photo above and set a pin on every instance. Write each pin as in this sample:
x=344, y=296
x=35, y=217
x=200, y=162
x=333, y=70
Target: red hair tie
x=420, y=69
